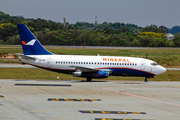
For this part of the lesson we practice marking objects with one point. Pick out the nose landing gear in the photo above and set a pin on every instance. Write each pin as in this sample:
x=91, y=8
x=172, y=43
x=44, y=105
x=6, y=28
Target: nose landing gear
x=148, y=77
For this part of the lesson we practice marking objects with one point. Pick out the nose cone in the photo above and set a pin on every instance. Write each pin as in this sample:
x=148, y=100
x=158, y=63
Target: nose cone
x=159, y=70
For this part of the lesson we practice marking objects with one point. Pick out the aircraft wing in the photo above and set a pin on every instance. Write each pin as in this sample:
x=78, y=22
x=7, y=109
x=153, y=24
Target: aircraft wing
x=88, y=70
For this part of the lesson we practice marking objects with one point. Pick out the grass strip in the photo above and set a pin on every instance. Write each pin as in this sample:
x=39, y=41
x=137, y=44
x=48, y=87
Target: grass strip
x=40, y=74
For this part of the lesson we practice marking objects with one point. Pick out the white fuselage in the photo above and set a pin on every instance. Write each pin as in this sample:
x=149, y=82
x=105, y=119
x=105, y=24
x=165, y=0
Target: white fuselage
x=125, y=66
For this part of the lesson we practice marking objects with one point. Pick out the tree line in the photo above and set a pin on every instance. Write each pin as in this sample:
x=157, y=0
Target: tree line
x=83, y=34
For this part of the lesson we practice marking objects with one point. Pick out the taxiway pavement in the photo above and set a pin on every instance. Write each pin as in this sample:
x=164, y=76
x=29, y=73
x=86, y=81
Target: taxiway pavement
x=4, y=65
x=81, y=100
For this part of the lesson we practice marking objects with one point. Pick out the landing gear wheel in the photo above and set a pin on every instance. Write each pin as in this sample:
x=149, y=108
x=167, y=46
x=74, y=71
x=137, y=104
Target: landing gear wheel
x=145, y=80
x=89, y=79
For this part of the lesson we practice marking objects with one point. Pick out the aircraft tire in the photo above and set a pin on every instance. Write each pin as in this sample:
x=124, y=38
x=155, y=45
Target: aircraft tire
x=89, y=79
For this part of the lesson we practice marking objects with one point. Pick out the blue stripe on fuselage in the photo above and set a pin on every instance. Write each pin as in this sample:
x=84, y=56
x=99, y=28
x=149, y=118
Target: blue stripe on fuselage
x=128, y=71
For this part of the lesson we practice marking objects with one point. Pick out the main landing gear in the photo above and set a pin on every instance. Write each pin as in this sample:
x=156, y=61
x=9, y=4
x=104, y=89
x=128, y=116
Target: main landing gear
x=88, y=79
x=145, y=80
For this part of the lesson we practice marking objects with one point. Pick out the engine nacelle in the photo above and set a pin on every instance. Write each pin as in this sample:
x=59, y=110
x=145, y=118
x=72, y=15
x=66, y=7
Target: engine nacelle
x=100, y=74
x=77, y=74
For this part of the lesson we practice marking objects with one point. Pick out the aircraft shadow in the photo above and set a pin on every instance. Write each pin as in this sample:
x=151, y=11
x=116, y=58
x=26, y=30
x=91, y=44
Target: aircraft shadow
x=84, y=81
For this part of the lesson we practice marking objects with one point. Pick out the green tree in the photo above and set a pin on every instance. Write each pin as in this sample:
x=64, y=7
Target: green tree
x=163, y=29
x=160, y=42
x=135, y=43
x=171, y=44
x=176, y=41
x=7, y=30
x=151, y=28
x=144, y=41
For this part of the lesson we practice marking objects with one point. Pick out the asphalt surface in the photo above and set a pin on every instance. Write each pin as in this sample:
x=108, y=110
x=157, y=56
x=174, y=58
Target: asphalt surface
x=80, y=100
x=16, y=66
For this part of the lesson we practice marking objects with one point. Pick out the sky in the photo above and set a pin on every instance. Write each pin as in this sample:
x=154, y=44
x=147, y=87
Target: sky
x=139, y=12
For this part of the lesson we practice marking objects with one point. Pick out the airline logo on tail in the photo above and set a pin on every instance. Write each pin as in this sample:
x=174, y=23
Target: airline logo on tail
x=29, y=43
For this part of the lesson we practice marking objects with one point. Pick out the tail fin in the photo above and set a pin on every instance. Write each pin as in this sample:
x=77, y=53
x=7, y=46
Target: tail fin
x=30, y=44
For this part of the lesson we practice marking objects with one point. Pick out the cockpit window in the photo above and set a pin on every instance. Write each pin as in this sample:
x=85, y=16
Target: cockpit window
x=154, y=64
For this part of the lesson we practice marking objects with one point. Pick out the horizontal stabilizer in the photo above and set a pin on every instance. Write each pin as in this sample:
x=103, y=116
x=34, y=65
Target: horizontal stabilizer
x=27, y=57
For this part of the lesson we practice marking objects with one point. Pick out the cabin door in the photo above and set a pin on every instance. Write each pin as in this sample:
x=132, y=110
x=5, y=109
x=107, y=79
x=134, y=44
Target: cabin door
x=142, y=65
x=49, y=62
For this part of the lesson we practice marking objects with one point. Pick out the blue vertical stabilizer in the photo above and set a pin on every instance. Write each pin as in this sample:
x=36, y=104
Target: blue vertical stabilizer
x=30, y=44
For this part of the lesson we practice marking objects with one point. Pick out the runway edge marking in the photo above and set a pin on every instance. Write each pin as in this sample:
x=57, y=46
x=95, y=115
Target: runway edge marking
x=119, y=119
x=171, y=84
x=23, y=84
x=109, y=112
x=75, y=100
x=142, y=97
x=2, y=96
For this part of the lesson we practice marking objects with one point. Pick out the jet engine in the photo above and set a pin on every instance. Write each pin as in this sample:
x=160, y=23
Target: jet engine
x=100, y=74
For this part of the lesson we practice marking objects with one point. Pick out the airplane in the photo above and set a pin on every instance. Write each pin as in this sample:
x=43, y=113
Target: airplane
x=85, y=66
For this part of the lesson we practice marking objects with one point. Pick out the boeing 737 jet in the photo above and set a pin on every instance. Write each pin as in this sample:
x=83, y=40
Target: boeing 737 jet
x=84, y=66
